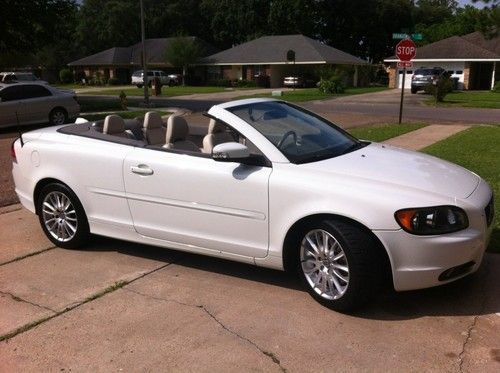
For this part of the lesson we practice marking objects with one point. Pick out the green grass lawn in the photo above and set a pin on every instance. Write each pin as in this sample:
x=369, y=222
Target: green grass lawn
x=310, y=94
x=478, y=150
x=477, y=99
x=123, y=114
x=381, y=132
x=166, y=91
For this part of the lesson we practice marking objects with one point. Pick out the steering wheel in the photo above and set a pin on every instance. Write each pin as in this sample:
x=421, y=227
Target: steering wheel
x=285, y=136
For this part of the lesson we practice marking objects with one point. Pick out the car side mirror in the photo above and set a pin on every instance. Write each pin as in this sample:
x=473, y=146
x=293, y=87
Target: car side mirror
x=230, y=152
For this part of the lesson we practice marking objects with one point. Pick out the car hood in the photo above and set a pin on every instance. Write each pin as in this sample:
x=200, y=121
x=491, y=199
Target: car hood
x=402, y=168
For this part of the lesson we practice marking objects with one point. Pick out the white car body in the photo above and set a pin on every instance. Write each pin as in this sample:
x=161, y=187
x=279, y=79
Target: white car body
x=240, y=213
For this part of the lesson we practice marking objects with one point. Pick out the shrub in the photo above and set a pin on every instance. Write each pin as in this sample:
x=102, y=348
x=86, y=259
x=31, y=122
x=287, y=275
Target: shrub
x=496, y=87
x=65, y=76
x=440, y=89
x=113, y=81
x=123, y=100
x=245, y=84
x=331, y=86
x=219, y=83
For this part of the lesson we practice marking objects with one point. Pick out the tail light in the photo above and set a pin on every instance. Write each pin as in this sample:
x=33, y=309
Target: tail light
x=13, y=151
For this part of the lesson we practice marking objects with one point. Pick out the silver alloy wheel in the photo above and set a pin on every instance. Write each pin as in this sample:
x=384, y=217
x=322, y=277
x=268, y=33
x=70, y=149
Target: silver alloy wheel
x=324, y=264
x=59, y=216
x=58, y=117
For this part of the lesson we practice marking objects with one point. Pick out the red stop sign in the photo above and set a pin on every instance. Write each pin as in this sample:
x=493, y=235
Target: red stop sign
x=406, y=50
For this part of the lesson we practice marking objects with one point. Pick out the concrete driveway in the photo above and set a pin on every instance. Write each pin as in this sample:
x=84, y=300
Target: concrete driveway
x=120, y=306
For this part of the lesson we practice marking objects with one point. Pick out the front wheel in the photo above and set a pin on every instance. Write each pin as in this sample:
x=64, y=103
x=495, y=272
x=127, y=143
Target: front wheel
x=339, y=264
x=62, y=217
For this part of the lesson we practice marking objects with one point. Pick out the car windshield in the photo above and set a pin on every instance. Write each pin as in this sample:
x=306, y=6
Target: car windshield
x=299, y=134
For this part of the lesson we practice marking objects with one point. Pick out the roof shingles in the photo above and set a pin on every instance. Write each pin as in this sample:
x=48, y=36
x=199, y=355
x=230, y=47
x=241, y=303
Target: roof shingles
x=273, y=49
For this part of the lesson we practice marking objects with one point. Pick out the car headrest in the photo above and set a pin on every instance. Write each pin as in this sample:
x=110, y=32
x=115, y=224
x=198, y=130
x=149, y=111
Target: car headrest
x=177, y=129
x=113, y=124
x=152, y=120
x=215, y=127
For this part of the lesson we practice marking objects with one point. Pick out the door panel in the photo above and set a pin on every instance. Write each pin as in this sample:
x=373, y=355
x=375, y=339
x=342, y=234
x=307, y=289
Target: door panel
x=197, y=201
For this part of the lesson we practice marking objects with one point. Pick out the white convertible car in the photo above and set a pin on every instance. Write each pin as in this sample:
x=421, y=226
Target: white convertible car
x=269, y=184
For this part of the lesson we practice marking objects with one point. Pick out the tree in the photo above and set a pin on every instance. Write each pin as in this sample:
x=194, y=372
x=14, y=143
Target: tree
x=103, y=24
x=183, y=51
x=37, y=32
x=465, y=21
x=231, y=22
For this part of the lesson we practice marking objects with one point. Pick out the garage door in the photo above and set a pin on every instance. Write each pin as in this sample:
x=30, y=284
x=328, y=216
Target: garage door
x=409, y=74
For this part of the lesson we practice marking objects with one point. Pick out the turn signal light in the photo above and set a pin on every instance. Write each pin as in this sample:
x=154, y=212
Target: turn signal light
x=432, y=220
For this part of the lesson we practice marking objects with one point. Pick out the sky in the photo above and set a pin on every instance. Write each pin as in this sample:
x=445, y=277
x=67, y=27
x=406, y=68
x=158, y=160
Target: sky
x=469, y=2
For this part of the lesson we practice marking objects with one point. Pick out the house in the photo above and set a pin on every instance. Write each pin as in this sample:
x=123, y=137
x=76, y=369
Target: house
x=121, y=62
x=472, y=59
x=267, y=57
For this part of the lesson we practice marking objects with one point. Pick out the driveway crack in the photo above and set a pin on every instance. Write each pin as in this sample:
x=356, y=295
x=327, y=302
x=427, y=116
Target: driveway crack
x=203, y=308
x=117, y=285
x=27, y=255
x=18, y=299
x=473, y=324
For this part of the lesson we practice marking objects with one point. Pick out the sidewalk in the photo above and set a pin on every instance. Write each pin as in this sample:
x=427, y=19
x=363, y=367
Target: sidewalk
x=426, y=136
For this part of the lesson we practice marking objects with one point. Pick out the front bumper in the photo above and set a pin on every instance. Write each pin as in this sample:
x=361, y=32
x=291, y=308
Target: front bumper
x=424, y=261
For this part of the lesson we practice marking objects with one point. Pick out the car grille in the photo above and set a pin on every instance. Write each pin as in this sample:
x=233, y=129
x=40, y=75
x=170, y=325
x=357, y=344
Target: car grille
x=489, y=211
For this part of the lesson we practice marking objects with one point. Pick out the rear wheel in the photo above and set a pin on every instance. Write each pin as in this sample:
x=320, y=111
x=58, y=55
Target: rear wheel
x=62, y=217
x=139, y=85
x=414, y=90
x=338, y=264
x=58, y=116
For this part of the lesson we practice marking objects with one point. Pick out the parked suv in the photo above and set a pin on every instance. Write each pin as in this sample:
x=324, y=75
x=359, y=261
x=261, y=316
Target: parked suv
x=32, y=103
x=165, y=79
x=424, y=76
x=14, y=77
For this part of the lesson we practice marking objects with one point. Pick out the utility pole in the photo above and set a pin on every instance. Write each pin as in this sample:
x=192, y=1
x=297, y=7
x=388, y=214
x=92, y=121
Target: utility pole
x=145, y=80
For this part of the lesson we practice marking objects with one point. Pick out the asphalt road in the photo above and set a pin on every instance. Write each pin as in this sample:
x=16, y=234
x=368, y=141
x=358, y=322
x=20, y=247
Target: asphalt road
x=379, y=106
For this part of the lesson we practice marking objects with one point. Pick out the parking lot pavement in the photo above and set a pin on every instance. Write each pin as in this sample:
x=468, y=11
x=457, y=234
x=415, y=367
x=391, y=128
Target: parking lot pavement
x=123, y=306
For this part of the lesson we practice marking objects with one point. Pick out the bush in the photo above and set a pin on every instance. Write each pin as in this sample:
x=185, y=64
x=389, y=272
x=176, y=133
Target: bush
x=219, y=83
x=496, y=87
x=245, y=84
x=65, y=76
x=123, y=100
x=331, y=86
x=113, y=81
x=440, y=89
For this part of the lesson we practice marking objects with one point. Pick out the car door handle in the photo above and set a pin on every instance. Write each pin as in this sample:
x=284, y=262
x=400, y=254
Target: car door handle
x=142, y=169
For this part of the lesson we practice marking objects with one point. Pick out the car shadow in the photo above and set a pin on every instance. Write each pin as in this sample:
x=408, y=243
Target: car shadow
x=476, y=294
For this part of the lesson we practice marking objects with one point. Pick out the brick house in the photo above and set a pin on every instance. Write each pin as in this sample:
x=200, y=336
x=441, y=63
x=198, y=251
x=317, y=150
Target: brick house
x=472, y=59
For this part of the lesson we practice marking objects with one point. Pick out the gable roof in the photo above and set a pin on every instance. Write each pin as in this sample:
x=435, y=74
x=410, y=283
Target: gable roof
x=273, y=50
x=126, y=56
x=465, y=48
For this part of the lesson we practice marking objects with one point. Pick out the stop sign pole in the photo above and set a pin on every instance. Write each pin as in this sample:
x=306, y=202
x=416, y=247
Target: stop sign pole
x=406, y=50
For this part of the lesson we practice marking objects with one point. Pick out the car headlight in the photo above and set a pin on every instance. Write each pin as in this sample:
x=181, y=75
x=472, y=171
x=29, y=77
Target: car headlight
x=432, y=220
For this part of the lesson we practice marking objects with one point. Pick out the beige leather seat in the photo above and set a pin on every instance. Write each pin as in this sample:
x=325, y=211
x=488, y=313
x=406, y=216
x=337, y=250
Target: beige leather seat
x=216, y=135
x=153, y=129
x=114, y=125
x=177, y=133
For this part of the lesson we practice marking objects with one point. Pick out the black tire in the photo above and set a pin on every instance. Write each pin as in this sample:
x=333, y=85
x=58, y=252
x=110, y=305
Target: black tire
x=58, y=116
x=58, y=224
x=414, y=90
x=361, y=259
x=139, y=85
